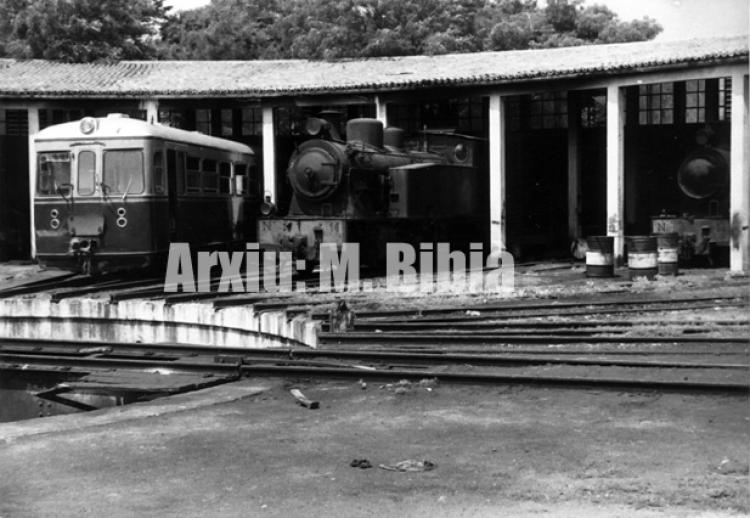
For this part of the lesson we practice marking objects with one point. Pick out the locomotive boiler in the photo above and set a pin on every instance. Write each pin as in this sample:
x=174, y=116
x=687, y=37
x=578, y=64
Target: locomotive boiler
x=369, y=189
x=701, y=217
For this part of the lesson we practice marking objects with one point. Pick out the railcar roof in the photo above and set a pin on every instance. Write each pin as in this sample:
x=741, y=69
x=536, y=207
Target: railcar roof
x=273, y=78
x=125, y=127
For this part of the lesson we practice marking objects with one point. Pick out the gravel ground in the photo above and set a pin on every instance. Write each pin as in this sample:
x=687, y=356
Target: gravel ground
x=499, y=451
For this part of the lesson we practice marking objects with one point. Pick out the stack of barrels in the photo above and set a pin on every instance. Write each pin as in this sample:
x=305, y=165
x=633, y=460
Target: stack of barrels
x=647, y=256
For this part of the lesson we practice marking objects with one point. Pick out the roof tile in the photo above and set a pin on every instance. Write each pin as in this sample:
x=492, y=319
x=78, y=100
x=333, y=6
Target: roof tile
x=39, y=78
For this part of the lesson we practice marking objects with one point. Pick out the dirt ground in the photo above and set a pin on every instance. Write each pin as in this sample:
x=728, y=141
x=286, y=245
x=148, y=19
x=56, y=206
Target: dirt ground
x=499, y=451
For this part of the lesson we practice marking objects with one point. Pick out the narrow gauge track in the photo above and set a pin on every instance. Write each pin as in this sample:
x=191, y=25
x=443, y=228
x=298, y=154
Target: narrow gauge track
x=595, y=368
x=561, y=308
x=587, y=326
x=469, y=337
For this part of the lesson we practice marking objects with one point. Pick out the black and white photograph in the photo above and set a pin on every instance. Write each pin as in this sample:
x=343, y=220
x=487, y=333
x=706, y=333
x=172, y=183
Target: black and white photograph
x=374, y=258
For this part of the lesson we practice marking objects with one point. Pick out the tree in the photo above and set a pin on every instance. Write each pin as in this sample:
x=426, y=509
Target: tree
x=95, y=30
x=225, y=29
x=84, y=30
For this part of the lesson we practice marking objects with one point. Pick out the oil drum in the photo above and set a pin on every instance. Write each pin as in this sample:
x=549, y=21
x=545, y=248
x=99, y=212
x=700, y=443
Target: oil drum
x=600, y=256
x=642, y=257
x=667, y=248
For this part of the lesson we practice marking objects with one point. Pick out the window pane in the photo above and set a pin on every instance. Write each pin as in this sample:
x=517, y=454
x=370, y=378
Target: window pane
x=54, y=170
x=225, y=172
x=158, y=173
x=86, y=172
x=203, y=121
x=226, y=123
x=123, y=171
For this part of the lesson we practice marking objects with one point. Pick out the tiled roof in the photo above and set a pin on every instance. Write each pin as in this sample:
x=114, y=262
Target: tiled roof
x=38, y=78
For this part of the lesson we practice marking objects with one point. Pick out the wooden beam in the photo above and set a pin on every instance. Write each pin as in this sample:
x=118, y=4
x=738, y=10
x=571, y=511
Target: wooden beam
x=574, y=165
x=381, y=111
x=269, y=155
x=152, y=109
x=739, y=197
x=497, y=172
x=33, y=125
x=616, y=168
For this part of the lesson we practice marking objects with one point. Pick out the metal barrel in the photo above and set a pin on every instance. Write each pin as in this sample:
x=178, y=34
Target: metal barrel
x=667, y=252
x=600, y=256
x=642, y=257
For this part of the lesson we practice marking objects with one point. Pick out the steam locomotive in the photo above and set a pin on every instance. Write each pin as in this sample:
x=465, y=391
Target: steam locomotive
x=371, y=190
x=111, y=193
x=701, y=217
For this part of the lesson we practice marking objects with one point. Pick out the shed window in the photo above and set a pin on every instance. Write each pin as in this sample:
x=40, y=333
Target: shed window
x=203, y=121
x=656, y=104
x=695, y=101
x=252, y=121
x=227, y=122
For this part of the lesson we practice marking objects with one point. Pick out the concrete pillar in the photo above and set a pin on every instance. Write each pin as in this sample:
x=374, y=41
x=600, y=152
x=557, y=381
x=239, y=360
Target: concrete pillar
x=739, y=182
x=152, y=109
x=574, y=166
x=616, y=168
x=381, y=111
x=269, y=154
x=497, y=172
x=33, y=123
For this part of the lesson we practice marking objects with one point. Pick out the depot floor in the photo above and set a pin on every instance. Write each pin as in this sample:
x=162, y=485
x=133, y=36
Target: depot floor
x=499, y=451
x=236, y=450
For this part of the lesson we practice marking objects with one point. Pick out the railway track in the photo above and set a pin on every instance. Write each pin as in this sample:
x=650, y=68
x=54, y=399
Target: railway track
x=668, y=369
x=608, y=341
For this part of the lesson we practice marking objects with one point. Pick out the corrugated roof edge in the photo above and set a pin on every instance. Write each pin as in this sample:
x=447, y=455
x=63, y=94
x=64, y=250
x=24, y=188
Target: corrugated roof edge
x=661, y=56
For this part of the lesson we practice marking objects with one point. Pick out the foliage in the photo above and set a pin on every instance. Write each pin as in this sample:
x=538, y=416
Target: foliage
x=332, y=29
x=80, y=30
x=89, y=30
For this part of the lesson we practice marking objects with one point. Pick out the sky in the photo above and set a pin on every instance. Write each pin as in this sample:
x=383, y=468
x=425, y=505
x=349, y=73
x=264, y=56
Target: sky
x=681, y=19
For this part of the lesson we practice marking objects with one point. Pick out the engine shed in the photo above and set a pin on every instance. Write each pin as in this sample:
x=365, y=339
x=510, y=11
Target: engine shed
x=578, y=141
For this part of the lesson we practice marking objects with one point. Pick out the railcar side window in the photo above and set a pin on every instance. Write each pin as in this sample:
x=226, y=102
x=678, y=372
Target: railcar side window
x=54, y=170
x=193, y=174
x=245, y=180
x=225, y=172
x=123, y=171
x=210, y=179
x=240, y=179
x=86, y=173
x=158, y=169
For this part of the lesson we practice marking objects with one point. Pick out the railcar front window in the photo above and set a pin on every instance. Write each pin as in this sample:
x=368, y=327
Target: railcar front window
x=123, y=171
x=86, y=173
x=54, y=171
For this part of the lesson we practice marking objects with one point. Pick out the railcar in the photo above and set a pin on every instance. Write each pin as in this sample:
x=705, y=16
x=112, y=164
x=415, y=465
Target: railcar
x=111, y=193
x=369, y=189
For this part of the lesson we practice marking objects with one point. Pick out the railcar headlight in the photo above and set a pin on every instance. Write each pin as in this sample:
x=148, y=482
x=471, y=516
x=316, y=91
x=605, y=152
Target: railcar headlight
x=267, y=208
x=87, y=125
x=460, y=153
